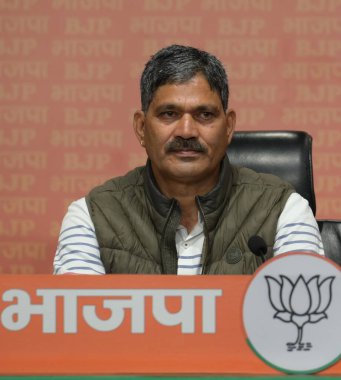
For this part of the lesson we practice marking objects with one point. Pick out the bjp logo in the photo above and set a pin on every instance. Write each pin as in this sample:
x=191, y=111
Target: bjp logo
x=292, y=313
x=300, y=302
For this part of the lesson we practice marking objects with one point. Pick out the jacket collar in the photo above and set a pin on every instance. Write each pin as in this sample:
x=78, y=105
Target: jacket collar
x=161, y=203
x=210, y=204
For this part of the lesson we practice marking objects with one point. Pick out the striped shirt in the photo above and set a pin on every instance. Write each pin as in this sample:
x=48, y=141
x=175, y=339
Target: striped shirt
x=78, y=250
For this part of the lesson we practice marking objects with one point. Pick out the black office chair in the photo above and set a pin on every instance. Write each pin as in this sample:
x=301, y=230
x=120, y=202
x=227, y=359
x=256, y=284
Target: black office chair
x=287, y=154
x=331, y=238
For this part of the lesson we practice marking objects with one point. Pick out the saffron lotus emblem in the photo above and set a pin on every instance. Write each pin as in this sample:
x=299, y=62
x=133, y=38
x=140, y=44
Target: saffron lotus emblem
x=300, y=302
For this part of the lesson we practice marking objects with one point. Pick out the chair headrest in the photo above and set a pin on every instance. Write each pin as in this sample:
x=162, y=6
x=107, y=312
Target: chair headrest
x=286, y=154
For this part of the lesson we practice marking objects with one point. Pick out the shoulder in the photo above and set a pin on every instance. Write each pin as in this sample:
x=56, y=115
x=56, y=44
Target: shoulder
x=77, y=213
x=245, y=176
x=131, y=179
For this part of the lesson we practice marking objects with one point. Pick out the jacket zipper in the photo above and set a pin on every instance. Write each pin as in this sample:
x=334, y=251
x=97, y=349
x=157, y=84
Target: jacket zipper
x=205, y=249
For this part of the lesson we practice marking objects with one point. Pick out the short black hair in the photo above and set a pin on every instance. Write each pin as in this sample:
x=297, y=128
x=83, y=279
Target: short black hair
x=179, y=64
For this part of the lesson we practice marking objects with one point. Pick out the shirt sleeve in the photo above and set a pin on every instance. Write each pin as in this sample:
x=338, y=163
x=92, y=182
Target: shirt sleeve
x=78, y=250
x=297, y=229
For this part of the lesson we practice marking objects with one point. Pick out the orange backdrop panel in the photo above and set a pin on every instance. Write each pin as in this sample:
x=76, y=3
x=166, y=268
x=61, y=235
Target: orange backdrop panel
x=69, y=72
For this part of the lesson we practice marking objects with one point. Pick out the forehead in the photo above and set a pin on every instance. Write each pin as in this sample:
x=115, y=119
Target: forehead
x=195, y=90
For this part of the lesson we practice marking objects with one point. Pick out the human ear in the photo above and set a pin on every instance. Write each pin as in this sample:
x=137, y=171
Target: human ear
x=139, y=126
x=230, y=124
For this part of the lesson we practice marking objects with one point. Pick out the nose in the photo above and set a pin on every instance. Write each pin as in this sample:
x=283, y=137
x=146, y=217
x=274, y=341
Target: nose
x=186, y=127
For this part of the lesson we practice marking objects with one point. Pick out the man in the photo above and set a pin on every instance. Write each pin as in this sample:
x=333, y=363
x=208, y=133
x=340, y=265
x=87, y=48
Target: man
x=188, y=211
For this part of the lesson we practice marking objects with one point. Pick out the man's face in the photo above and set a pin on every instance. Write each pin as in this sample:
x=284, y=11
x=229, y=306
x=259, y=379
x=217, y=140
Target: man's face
x=185, y=131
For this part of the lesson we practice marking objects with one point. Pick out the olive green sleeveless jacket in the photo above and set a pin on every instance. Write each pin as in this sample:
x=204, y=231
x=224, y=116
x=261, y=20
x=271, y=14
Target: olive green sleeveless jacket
x=135, y=224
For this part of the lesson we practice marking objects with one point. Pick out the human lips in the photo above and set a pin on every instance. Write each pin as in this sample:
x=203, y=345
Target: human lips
x=186, y=151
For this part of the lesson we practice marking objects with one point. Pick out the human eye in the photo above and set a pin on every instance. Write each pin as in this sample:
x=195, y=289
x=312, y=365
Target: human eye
x=206, y=115
x=168, y=115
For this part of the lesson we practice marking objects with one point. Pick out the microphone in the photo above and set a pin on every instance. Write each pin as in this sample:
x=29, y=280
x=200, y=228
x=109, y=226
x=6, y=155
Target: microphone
x=258, y=246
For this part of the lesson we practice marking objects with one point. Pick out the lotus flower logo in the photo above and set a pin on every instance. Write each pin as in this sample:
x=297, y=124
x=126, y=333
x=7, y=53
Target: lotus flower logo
x=300, y=302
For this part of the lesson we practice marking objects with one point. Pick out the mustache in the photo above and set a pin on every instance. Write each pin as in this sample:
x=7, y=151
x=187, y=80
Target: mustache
x=179, y=143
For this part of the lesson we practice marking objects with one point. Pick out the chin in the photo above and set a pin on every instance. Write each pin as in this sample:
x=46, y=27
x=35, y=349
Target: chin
x=189, y=174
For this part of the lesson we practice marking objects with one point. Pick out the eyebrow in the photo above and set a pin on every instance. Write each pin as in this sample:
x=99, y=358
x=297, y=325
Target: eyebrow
x=207, y=107
x=199, y=108
x=166, y=106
